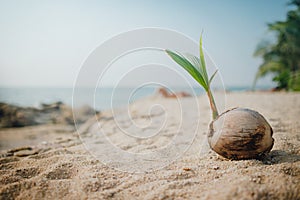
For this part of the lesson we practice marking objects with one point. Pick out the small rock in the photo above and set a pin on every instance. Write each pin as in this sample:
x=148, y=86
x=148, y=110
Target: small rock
x=19, y=149
x=25, y=153
x=216, y=167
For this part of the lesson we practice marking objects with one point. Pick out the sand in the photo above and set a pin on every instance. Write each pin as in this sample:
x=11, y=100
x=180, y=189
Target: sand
x=51, y=162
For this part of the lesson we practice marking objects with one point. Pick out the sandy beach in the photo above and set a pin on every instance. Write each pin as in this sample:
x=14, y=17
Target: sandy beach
x=51, y=162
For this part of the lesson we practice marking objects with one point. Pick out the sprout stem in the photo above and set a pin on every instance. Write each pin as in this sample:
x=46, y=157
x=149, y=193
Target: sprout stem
x=212, y=103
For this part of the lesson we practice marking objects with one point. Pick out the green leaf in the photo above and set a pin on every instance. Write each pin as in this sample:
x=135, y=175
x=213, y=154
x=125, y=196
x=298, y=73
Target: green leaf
x=202, y=59
x=189, y=67
x=212, y=77
x=196, y=62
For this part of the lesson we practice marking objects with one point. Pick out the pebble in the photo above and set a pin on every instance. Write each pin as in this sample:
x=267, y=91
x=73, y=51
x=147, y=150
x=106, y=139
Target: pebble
x=216, y=167
x=25, y=153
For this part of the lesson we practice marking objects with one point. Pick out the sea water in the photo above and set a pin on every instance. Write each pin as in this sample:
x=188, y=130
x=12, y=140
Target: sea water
x=103, y=98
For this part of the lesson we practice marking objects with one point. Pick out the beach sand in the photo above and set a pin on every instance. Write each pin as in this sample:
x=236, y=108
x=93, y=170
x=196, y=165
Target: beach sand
x=50, y=161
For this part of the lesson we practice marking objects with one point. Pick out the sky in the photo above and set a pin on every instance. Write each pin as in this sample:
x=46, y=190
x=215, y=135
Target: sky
x=44, y=43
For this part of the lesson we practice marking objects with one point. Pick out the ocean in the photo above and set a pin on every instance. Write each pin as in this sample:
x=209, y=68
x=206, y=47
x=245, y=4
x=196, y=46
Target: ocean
x=103, y=99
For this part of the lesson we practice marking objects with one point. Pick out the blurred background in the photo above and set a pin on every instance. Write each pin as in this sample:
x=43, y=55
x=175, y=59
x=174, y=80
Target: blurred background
x=44, y=43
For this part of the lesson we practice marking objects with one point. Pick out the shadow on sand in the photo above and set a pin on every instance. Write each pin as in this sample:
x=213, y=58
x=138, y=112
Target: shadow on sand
x=280, y=156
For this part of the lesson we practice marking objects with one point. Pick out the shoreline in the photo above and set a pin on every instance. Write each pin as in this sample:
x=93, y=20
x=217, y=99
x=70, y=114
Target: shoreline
x=33, y=97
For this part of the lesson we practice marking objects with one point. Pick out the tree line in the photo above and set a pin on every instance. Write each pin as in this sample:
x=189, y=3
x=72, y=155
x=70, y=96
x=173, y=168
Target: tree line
x=281, y=58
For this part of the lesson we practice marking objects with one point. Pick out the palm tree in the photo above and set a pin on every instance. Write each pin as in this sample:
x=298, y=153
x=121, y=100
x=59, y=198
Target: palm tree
x=282, y=58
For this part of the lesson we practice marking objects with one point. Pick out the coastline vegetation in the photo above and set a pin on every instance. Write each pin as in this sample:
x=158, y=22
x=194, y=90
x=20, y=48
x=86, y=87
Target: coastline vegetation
x=281, y=59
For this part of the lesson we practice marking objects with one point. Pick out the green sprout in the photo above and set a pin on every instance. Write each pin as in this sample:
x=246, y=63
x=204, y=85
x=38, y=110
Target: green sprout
x=196, y=67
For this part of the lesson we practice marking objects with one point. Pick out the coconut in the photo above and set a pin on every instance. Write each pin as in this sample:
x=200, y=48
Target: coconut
x=240, y=133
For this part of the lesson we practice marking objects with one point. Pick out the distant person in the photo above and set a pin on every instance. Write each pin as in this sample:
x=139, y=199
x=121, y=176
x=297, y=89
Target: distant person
x=163, y=92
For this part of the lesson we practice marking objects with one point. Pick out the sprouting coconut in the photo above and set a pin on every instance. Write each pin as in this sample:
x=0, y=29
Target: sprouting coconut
x=238, y=133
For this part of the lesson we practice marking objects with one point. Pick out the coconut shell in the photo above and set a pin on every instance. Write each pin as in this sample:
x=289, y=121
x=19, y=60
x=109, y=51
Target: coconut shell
x=240, y=133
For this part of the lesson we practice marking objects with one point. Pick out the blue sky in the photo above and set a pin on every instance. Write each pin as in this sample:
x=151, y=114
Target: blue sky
x=44, y=43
